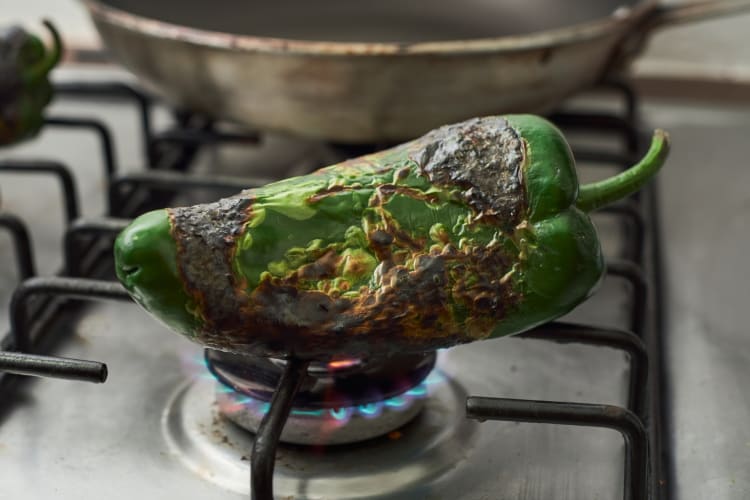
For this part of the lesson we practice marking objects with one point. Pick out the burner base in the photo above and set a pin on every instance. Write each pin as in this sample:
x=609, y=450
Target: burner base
x=219, y=451
x=326, y=426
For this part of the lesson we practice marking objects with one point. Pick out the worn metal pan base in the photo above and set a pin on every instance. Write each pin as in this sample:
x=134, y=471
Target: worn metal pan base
x=383, y=21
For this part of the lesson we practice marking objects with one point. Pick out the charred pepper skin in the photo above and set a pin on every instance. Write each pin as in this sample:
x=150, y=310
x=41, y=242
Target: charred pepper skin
x=475, y=230
x=25, y=88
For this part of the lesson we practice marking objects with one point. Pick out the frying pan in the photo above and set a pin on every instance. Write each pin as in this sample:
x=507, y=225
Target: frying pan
x=383, y=71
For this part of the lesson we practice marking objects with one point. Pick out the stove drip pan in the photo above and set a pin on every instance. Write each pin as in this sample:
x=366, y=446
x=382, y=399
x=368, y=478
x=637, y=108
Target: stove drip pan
x=341, y=401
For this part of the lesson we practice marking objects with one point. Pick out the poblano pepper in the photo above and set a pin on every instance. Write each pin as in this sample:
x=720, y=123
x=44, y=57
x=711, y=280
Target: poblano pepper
x=475, y=230
x=25, y=88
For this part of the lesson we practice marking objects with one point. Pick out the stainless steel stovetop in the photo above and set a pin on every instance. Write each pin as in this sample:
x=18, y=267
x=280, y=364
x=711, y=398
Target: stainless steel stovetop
x=144, y=432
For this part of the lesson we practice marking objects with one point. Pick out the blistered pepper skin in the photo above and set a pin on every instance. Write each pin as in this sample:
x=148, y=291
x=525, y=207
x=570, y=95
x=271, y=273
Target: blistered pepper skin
x=25, y=88
x=472, y=231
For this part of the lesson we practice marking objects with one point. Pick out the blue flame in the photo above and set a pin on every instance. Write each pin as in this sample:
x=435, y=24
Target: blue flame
x=308, y=413
x=396, y=402
x=339, y=416
x=435, y=377
x=418, y=391
x=370, y=410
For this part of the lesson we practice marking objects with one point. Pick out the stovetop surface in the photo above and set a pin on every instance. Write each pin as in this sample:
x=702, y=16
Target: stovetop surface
x=706, y=208
x=73, y=440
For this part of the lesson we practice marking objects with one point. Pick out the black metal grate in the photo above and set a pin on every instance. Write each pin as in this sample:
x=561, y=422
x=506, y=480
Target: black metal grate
x=37, y=301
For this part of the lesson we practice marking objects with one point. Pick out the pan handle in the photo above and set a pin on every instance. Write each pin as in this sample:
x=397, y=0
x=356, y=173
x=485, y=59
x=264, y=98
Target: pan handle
x=668, y=15
x=661, y=16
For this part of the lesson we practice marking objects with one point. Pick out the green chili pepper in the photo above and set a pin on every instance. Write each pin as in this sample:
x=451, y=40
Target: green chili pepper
x=475, y=230
x=25, y=88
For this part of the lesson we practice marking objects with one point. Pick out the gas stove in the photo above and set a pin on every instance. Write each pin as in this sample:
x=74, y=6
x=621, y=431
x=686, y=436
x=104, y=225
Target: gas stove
x=574, y=409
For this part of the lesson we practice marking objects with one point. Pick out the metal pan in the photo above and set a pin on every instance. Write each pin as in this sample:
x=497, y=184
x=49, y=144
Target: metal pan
x=377, y=71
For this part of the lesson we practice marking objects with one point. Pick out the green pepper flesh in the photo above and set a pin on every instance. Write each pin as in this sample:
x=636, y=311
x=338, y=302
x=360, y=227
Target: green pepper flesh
x=25, y=87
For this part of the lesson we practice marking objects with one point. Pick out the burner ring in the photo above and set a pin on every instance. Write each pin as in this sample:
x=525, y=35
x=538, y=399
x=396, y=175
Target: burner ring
x=333, y=426
x=398, y=464
x=333, y=384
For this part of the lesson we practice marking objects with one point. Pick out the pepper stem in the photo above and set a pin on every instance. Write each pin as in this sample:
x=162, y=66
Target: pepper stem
x=598, y=194
x=52, y=58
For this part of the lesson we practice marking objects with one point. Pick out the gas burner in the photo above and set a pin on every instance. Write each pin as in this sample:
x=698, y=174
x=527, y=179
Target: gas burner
x=341, y=401
x=406, y=459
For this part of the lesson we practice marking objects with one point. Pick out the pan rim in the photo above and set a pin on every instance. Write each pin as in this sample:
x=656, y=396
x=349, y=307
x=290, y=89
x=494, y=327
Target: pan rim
x=574, y=33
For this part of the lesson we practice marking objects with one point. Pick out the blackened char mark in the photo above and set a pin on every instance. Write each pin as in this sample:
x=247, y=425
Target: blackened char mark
x=12, y=41
x=411, y=309
x=205, y=237
x=276, y=302
x=322, y=268
x=483, y=159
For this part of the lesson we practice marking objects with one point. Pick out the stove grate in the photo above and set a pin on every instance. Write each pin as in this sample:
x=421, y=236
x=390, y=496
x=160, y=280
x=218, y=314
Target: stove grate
x=591, y=415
